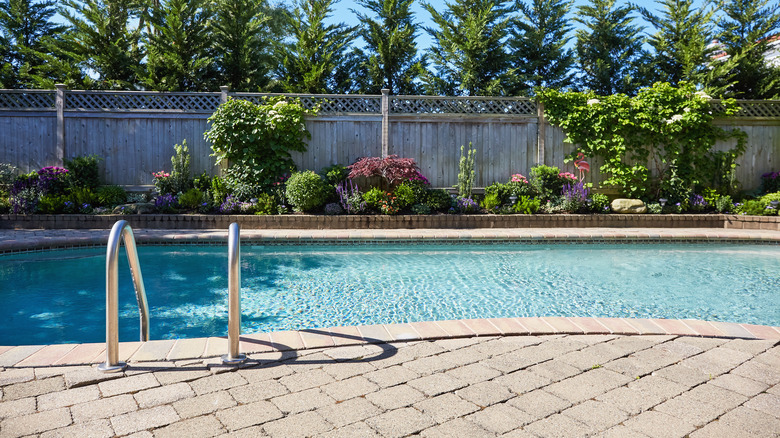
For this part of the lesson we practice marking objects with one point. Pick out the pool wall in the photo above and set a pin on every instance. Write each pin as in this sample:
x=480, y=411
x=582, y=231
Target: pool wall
x=361, y=222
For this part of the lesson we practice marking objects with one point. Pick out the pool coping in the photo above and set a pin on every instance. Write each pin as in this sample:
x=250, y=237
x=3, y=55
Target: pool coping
x=26, y=356
x=14, y=241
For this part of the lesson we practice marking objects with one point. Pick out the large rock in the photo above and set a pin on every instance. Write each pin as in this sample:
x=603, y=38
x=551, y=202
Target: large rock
x=137, y=208
x=622, y=205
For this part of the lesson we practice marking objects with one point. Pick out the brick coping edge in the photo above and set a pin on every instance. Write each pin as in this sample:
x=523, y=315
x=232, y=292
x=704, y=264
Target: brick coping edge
x=277, y=342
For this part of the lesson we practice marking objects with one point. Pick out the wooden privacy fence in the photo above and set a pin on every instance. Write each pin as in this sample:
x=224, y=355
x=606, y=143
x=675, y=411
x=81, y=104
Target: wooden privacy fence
x=134, y=132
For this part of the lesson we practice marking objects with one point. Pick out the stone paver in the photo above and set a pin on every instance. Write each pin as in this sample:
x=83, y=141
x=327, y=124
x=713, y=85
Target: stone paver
x=513, y=386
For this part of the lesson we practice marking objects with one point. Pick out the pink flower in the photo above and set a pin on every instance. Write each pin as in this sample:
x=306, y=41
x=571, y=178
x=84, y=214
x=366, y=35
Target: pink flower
x=567, y=175
x=519, y=178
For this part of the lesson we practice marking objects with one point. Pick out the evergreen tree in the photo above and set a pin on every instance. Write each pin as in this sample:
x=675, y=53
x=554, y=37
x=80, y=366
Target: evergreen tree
x=745, y=31
x=393, y=63
x=24, y=27
x=318, y=58
x=682, y=49
x=177, y=47
x=243, y=32
x=537, y=46
x=468, y=52
x=102, y=41
x=609, y=48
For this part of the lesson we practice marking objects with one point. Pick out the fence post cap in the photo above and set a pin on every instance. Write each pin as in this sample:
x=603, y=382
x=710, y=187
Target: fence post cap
x=385, y=91
x=60, y=86
x=224, y=88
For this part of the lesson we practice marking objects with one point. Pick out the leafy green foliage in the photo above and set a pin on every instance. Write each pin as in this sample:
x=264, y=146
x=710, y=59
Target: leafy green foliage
x=745, y=30
x=83, y=171
x=374, y=198
x=306, y=191
x=257, y=141
x=219, y=190
x=104, y=40
x=265, y=205
x=546, y=181
x=178, y=43
x=111, y=195
x=243, y=31
x=81, y=196
x=317, y=57
x=466, y=171
x=537, y=45
x=51, y=204
x=609, y=48
x=405, y=195
x=681, y=46
x=335, y=173
x=599, y=203
x=180, y=165
x=498, y=190
x=468, y=51
x=438, y=199
x=420, y=209
x=668, y=128
x=393, y=62
x=491, y=201
x=191, y=199
x=527, y=205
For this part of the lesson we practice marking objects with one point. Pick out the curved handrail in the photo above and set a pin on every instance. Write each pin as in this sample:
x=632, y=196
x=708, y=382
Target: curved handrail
x=121, y=231
x=234, y=296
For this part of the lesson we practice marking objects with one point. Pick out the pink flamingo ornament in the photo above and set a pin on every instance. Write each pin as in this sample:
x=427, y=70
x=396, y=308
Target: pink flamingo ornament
x=582, y=165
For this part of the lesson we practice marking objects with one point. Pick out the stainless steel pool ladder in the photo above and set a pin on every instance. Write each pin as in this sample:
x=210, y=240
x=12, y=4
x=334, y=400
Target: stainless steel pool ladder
x=121, y=231
x=234, y=296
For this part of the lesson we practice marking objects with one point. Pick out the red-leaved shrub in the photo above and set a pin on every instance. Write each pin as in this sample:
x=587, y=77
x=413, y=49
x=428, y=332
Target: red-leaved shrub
x=395, y=170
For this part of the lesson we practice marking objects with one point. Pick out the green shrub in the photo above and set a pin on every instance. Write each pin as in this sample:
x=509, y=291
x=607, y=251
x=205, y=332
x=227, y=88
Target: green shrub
x=466, y=171
x=180, y=163
x=421, y=209
x=266, y=204
x=500, y=191
x=306, y=191
x=599, y=203
x=491, y=202
x=546, y=181
x=192, y=199
x=202, y=182
x=83, y=172
x=8, y=174
x=405, y=195
x=5, y=205
x=334, y=174
x=527, y=205
x=219, y=190
x=333, y=209
x=51, y=204
x=81, y=196
x=438, y=200
x=375, y=198
x=111, y=195
x=654, y=208
x=724, y=204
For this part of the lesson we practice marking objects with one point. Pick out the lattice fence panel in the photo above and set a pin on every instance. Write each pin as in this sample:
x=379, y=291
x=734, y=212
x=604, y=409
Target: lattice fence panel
x=27, y=99
x=756, y=108
x=462, y=105
x=325, y=104
x=200, y=102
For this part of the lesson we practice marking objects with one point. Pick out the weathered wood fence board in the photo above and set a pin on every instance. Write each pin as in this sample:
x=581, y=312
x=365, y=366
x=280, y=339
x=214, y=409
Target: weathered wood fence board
x=134, y=133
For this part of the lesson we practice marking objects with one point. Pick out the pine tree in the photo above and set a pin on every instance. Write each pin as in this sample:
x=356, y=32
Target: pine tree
x=609, y=48
x=25, y=25
x=177, y=47
x=537, y=43
x=243, y=32
x=103, y=41
x=468, y=52
x=318, y=58
x=393, y=62
x=682, y=49
x=745, y=31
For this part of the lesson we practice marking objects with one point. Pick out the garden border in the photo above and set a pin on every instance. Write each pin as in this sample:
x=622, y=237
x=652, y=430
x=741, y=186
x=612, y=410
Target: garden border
x=362, y=222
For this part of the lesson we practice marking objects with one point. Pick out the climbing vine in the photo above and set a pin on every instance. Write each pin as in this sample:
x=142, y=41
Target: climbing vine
x=657, y=144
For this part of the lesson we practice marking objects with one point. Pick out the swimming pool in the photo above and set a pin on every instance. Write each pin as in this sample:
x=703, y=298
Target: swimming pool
x=59, y=296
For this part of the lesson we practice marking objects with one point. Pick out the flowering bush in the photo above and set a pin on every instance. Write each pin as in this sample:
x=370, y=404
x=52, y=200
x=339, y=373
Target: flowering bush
x=467, y=205
x=51, y=180
x=389, y=205
x=163, y=182
x=231, y=205
x=166, y=203
x=349, y=197
x=664, y=127
x=25, y=194
x=575, y=197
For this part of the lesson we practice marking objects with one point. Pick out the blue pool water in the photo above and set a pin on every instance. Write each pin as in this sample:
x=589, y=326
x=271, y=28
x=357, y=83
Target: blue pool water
x=59, y=296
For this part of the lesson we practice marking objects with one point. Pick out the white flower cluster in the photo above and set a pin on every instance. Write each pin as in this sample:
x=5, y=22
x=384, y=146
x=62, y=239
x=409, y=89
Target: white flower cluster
x=593, y=101
x=675, y=118
x=702, y=95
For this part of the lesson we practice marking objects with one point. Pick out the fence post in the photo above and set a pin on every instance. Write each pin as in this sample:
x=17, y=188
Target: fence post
x=385, y=122
x=223, y=97
x=223, y=93
x=59, y=104
x=541, y=127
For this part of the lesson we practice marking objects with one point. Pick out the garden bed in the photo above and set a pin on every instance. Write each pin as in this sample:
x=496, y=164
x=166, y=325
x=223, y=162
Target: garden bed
x=442, y=221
